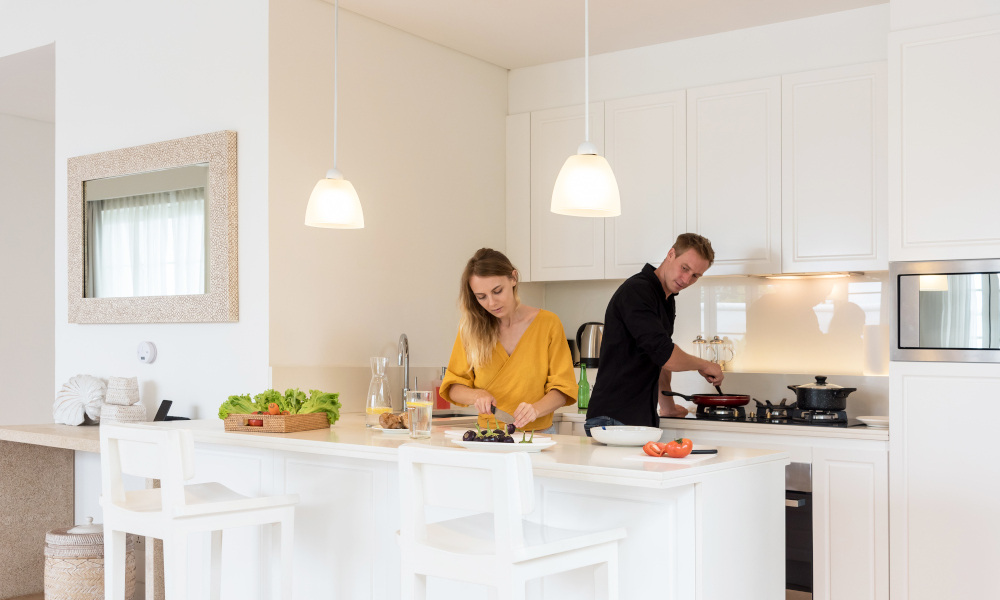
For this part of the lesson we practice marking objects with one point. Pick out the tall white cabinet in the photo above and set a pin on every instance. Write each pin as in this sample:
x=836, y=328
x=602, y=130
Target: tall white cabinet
x=562, y=247
x=734, y=173
x=944, y=135
x=645, y=145
x=834, y=161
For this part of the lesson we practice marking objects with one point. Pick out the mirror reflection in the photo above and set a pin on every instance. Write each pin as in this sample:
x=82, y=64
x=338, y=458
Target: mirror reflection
x=959, y=311
x=146, y=234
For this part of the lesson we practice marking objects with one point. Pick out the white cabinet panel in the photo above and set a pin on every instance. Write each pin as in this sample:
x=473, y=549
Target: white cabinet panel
x=945, y=481
x=562, y=248
x=944, y=141
x=834, y=164
x=519, y=193
x=645, y=144
x=850, y=524
x=734, y=173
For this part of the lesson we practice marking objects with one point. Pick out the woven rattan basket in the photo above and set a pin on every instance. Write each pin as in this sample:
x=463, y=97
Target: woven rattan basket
x=278, y=423
x=74, y=564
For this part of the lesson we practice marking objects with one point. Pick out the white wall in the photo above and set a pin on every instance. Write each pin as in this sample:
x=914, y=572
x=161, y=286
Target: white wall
x=844, y=38
x=134, y=73
x=27, y=331
x=422, y=138
x=907, y=14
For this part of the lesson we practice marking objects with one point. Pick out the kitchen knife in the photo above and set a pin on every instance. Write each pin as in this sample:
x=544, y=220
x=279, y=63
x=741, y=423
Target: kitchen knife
x=502, y=416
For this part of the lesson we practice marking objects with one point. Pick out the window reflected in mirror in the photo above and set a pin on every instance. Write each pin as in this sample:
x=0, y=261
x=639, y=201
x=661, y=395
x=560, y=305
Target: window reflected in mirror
x=146, y=234
x=956, y=311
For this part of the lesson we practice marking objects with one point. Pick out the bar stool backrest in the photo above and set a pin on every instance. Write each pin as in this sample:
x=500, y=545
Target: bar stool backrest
x=146, y=451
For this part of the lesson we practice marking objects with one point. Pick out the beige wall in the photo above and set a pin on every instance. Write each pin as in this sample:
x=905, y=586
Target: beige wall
x=422, y=138
x=27, y=329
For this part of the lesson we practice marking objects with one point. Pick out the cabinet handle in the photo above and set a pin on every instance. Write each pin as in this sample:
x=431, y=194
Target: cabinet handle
x=799, y=503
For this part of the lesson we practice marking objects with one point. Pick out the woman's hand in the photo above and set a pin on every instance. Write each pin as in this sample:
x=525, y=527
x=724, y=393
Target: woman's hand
x=484, y=402
x=525, y=413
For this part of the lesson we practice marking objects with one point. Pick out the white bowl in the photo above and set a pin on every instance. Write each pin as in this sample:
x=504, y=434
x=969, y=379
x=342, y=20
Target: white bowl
x=626, y=435
x=876, y=422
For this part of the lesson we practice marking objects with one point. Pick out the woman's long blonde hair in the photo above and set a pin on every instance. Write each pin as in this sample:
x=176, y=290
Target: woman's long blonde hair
x=480, y=330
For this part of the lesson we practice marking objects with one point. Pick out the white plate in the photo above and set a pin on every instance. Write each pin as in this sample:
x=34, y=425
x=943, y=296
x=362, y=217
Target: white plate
x=458, y=433
x=876, y=422
x=626, y=435
x=496, y=447
x=391, y=431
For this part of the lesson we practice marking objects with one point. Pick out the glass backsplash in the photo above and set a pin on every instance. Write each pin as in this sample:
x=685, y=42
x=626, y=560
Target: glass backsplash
x=824, y=326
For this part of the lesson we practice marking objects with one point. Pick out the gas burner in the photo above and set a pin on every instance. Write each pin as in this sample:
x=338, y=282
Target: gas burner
x=819, y=417
x=721, y=413
x=773, y=413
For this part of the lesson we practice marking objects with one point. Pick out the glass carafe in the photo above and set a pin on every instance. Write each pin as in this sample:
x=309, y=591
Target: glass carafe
x=379, y=401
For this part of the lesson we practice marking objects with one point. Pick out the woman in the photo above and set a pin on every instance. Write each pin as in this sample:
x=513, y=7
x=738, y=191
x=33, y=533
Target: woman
x=507, y=354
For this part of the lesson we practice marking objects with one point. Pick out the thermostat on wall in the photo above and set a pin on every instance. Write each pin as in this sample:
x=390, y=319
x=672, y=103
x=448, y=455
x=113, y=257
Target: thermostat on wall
x=146, y=352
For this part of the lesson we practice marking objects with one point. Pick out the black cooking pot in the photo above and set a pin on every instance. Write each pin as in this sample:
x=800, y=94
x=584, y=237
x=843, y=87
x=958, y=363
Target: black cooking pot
x=821, y=395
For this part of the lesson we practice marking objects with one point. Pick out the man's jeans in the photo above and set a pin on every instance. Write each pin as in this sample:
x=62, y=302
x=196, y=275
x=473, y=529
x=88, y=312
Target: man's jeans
x=600, y=422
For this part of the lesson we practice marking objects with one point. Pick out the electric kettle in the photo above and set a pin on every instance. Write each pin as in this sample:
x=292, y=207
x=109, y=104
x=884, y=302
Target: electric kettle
x=588, y=343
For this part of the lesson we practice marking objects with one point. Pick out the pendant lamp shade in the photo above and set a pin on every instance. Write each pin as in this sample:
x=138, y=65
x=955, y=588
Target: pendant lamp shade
x=586, y=187
x=334, y=204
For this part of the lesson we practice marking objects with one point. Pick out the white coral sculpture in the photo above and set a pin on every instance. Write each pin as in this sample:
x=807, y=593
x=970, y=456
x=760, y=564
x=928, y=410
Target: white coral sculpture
x=79, y=401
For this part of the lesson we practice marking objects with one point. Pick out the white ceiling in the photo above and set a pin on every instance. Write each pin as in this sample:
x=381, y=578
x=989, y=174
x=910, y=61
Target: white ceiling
x=521, y=33
x=28, y=84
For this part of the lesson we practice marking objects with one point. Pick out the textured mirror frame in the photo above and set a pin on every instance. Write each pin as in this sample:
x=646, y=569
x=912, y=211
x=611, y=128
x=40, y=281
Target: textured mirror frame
x=221, y=303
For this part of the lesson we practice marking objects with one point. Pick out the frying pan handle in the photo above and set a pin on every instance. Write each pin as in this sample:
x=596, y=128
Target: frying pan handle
x=678, y=394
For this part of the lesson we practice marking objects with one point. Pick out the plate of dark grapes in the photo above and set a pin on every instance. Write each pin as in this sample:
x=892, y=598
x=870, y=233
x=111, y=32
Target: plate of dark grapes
x=503, y=439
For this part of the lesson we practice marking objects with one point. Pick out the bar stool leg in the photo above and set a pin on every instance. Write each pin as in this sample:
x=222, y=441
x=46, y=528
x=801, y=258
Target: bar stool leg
x=215, y=583
x=114, y=565
x=287, y=532
x=175, y=566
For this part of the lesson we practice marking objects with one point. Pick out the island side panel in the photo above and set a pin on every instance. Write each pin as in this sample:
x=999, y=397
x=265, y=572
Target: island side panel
x=36, y=495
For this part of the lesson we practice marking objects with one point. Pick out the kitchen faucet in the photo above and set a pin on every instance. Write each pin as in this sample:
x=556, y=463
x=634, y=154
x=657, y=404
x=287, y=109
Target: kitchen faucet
x=404, y=361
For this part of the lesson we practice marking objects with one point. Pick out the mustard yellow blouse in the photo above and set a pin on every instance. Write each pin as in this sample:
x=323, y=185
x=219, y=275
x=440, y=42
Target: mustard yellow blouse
x=541, y=362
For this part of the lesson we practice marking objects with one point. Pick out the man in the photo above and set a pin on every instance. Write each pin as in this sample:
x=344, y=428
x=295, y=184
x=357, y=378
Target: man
x=637, y=352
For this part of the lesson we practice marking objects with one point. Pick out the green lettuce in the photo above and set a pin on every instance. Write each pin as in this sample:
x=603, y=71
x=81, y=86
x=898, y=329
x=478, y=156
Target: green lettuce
x=322, y=402
x=238, y=405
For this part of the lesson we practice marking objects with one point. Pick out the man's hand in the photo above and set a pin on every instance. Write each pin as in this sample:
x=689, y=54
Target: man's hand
x=484, y=402
x=712, y=373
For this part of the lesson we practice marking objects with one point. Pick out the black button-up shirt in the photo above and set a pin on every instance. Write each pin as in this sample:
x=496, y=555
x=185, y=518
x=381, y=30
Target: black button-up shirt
x=637, y=342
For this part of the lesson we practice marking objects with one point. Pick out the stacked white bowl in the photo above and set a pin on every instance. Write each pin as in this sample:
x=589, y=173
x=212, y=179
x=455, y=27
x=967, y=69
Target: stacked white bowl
x=121, y=404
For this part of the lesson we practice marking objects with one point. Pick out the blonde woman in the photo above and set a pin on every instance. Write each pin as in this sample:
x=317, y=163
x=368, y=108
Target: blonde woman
x=507, y=354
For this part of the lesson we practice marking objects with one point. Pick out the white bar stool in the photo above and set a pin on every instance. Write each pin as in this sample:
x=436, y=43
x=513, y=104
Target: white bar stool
x=496, y=547
x=175, y=510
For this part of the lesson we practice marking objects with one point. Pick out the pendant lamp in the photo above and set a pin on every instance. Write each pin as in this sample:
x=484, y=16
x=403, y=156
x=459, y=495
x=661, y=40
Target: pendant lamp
x=586, y=186
x=334, y=203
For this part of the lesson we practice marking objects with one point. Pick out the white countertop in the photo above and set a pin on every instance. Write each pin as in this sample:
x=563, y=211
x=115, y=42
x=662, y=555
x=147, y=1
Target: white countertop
x=851, y=433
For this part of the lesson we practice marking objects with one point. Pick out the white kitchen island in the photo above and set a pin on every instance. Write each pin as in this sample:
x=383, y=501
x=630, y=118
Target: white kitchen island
x=692, y=529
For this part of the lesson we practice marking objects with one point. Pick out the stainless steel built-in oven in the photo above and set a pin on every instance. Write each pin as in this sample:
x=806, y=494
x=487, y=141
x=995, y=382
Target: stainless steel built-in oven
x=945, y=311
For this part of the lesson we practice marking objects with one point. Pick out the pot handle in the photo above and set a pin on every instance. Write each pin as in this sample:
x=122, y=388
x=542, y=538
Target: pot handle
x=794, y=388
x=844, y=392
x=678, y=394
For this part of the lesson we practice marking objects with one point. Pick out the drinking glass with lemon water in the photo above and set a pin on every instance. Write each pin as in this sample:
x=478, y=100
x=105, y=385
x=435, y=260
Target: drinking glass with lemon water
x=419, y=408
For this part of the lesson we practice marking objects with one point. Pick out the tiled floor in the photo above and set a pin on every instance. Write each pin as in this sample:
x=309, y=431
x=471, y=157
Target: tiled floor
x=793, y=595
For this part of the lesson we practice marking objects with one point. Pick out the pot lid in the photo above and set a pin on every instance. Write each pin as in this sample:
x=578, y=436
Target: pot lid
x=820, y=384
x=89, y=528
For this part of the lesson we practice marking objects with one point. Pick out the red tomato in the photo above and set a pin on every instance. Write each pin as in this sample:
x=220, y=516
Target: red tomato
x=653, y=449
x=255, y=422
x=678, y=448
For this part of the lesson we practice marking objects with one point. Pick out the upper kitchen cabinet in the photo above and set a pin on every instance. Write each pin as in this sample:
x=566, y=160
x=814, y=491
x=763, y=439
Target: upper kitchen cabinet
x=834, y=161
x=645, y=144
x=562, y=248
x=734, y=173
x=944, y=141
x=519, y=193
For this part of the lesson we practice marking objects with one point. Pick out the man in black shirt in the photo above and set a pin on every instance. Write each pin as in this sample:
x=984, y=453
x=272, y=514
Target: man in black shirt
x=637, y=352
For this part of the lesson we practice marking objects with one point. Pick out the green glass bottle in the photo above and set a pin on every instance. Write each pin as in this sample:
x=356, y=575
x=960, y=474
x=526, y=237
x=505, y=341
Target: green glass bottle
x=583, y=395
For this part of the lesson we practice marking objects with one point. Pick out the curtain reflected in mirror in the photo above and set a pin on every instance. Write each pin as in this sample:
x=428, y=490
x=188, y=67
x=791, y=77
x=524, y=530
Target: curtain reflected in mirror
x=146, y=234
x=960, y=311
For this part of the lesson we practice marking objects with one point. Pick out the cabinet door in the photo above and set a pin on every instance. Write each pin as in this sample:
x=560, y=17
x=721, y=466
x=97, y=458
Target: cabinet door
x=645, y=144
x=519, y=193
x=850, y=524
x=944, y=141
x=834, y=160
x=734, y=173
x=562, y=248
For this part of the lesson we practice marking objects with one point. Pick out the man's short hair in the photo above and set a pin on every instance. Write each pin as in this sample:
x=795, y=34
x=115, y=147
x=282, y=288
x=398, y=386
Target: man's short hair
x=700, y=244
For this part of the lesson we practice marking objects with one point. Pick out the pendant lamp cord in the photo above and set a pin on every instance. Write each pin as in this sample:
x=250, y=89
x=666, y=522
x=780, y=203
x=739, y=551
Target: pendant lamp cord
x=336, y=31
x=586, y=70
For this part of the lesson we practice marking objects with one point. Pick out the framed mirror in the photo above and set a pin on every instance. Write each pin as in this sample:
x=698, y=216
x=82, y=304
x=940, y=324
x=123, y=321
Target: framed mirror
x=152, y=233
